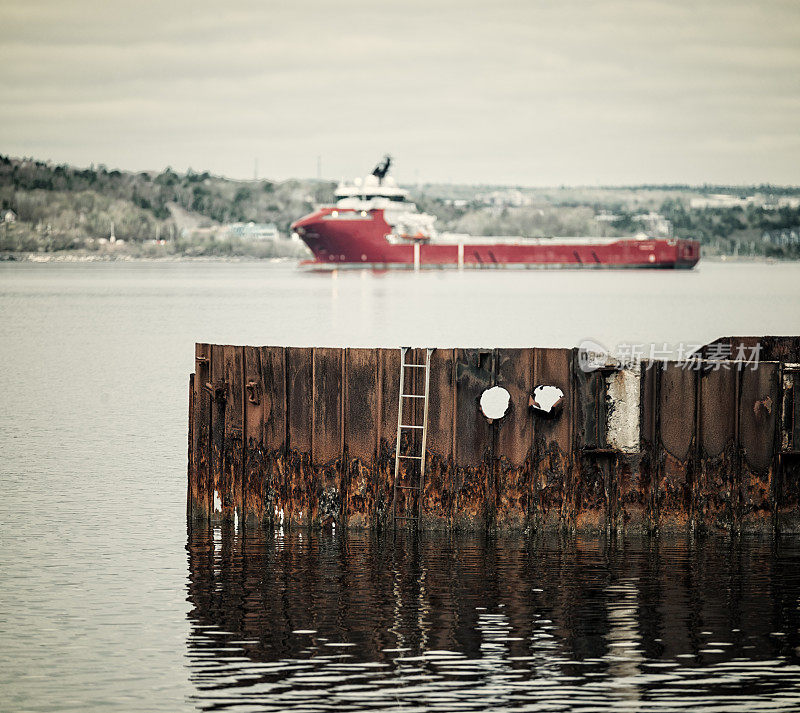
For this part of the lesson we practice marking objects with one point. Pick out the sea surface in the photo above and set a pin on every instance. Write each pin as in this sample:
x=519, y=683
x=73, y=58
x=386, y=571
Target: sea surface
x=109, y=603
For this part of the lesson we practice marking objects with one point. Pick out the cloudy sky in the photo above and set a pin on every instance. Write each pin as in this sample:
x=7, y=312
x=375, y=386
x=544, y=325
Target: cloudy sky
x=538, y=92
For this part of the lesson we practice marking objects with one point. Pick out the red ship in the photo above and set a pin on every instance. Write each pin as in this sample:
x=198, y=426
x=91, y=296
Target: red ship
x=374, y=225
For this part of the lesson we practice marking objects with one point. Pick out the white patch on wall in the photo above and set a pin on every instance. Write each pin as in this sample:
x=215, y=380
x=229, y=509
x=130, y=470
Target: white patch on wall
x=494, y=402
x=623, y=409
x=545, y=397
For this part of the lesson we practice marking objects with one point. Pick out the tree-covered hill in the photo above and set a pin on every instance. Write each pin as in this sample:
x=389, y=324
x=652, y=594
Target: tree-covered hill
x=62, y=207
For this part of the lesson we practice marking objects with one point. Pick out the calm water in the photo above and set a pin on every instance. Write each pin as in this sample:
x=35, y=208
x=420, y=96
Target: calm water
x=106, y=604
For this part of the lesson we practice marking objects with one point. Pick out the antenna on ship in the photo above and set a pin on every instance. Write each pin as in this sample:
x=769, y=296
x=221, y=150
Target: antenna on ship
x=382, y=168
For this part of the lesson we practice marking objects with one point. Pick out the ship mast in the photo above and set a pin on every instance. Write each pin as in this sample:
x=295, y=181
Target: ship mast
x=382, y=169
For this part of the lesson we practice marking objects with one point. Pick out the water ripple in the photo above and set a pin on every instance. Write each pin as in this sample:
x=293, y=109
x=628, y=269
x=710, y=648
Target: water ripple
x=464, y=623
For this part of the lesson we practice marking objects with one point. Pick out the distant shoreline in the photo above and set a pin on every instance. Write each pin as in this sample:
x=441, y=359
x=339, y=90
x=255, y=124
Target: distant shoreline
x=69, y=256
x=72, y=256
x=101, y=215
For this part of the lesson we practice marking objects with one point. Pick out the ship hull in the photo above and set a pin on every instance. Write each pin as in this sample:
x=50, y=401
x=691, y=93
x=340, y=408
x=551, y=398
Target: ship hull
x=444, y=266
x=353, y=239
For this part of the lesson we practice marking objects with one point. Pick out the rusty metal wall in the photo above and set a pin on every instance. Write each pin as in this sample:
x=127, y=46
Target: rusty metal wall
x=513, y=440
x=758, y=403
x=306, y=437
x=200, y=483
x=676, y=409
x=361, y=424
x=715, y=483
x=592, y=494
x=787, y=463
x=553, y=483
x=297, y=485
x=770, y=348
x=438, y=496
x=472, y=488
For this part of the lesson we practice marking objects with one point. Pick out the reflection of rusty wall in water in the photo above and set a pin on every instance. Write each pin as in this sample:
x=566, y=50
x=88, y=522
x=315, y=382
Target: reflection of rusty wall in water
x=306, y=437
x=252, y=589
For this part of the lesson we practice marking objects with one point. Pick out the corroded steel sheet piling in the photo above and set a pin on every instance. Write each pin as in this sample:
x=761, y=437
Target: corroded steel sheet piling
x=306, y=437
x=552, y=487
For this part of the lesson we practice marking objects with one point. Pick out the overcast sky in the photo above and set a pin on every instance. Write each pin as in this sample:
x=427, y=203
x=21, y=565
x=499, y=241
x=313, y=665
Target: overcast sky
x=534, y=92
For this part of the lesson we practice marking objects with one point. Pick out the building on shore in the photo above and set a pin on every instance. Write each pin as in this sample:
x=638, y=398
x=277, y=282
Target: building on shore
x=655, y=224
x=254, y=231
x=783, y=238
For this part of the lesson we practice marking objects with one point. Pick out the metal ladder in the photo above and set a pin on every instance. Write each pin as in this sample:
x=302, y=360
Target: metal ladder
x=401, y=426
